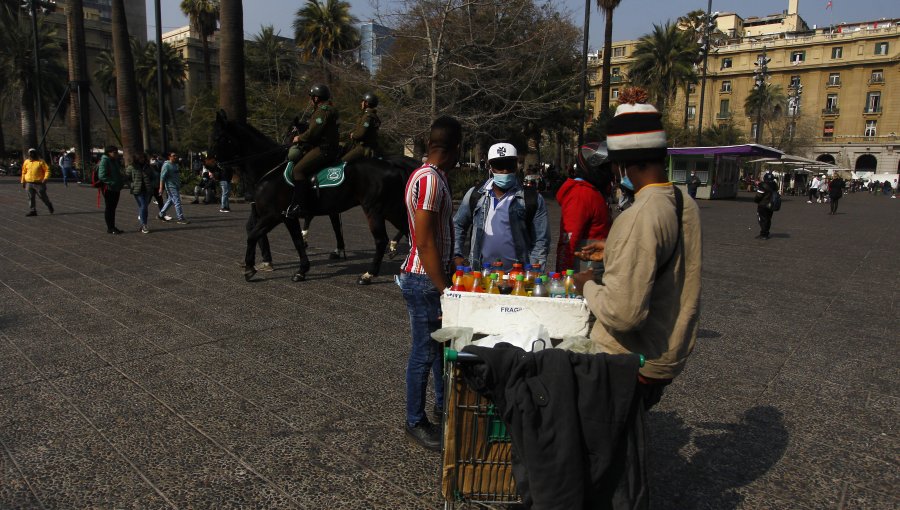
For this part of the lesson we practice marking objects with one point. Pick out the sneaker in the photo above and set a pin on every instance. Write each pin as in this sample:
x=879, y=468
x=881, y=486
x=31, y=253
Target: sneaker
x=426, y=434
x=164, y=218
x=195, y=202
x=265, y=267
x=224, y=210
x=31, y=213
x=182, y=221
x=145, y=229
x=809, y=201
x=114, y=231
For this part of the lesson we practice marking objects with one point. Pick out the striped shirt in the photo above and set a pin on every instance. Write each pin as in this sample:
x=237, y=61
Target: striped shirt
x=427, y=189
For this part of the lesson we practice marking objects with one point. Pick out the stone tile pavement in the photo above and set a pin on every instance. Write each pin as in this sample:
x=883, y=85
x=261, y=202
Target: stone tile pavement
x=142, y=371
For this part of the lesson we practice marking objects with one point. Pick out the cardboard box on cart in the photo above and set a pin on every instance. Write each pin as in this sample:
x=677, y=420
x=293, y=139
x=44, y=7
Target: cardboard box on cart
x=476, y=465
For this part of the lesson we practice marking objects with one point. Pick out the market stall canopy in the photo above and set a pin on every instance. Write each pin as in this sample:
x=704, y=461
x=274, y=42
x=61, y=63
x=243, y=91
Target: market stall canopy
x=744, y=150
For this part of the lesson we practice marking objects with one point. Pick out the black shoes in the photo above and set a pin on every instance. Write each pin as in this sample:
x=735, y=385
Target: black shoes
x=426, y=434
x=31, y=213
x=114, y=231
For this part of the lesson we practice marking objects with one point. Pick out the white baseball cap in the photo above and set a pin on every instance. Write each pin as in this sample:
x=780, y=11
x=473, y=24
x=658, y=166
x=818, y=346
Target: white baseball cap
x=502, y=150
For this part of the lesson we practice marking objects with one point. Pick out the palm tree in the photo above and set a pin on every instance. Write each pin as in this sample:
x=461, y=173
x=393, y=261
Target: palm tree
x=232, y=87
x=17, y=63
x=763, y=104
x=269, y=58
x=203, y=15
x=173, y=74
x=663, y=61
x=608, y=6
x=105, y=73
x=80, y=112
x=126, y=85
x=324, y=29
x=144, y=67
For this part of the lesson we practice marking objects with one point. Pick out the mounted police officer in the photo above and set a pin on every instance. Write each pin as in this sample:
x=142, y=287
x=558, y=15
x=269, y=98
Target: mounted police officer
x=313, y=149
x=364, y=137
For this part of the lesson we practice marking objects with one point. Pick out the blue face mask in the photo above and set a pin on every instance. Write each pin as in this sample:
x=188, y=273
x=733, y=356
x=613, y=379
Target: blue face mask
x=504, y=181
x=626, y=182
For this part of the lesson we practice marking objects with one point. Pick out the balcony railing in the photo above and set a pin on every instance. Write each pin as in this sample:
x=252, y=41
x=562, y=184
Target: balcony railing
x=616, y=78
x=833, y=83
x=831, y=111
x=723, y=115
x=872, y=110
x=876, y=80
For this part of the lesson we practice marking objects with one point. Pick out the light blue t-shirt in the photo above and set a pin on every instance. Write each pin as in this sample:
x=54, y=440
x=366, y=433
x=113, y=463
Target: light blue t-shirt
x=498, y=238
x=169, y=174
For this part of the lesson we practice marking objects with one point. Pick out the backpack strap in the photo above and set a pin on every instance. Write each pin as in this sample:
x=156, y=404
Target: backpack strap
x=531, y=205
x=679, y=213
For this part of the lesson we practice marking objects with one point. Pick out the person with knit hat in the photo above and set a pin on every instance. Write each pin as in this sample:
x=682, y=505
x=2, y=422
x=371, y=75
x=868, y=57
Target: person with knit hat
x=649, y=299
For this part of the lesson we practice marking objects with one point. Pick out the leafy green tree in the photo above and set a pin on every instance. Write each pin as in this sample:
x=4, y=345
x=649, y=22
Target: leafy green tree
x=608, y=6
x=323, y=30
x=204, y=18
x=722, y=134
x=270, y=59
x=664, y=60
x=764, y=104
x=173, y=74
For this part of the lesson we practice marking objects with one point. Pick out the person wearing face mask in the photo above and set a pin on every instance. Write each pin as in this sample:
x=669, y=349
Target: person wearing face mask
x=507, y=222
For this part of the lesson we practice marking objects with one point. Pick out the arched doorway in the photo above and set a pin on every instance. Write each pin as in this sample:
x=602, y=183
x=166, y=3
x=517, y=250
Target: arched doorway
x=826, y=158
x=866, y=163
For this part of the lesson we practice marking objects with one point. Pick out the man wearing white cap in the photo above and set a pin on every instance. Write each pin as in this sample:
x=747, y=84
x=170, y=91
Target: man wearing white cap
x=508, y=222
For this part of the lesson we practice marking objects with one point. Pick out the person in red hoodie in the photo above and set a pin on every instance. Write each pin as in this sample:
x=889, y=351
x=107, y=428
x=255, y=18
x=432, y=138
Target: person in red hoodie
x=584, y=211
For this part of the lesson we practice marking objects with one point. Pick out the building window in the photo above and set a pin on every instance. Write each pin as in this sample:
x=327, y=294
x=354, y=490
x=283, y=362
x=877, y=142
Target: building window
x=592, y=96
x=679, y=170
x=828, y=130
x=692, y=88
x=618, y=51
x=834, y=79
x=726, y=86
x=837, y=52
x=798, y=56
x=726, y=63
x=831, y=102
x=614, y=94
x=871, y=126
x=877, y=76
x=724, y=105
x=691, y=112
x=873, y=102
x=881, y=48
x=795, y=82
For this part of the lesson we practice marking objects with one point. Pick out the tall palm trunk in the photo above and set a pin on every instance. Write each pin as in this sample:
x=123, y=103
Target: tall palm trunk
x=27, y=121
x=126, y=83
x=207, y=68
x=607, y=60
x=79, y=97
x=232, y=89
x=172, y=120
x=145, y=118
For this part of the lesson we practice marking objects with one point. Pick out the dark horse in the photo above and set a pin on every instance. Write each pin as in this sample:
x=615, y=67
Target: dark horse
x=376, y=185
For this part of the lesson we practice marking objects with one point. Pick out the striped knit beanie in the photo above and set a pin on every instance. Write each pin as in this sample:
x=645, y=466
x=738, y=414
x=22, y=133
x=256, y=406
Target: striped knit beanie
x=636, y=132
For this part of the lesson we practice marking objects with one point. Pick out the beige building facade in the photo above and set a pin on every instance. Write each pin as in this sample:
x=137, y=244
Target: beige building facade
x=186, y=41
x=849, y=110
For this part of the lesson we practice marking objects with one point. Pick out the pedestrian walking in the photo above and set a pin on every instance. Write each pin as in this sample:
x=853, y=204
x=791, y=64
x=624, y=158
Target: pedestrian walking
x=110, y=175
x=67, y=165
x=835, y=192
x=141, y=187
x=224, y=176
x=823, y=190
x=764, y=207
x=424, y=275
x=170, y=179
x=692, y=185
x=886, y=187
x=814, y=190
x=35, y=173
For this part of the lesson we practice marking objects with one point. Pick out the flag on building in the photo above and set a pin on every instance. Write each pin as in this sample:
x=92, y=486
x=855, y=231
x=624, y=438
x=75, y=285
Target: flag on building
x=828, y=5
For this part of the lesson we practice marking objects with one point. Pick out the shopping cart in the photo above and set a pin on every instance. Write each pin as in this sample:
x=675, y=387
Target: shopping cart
x=477, y=452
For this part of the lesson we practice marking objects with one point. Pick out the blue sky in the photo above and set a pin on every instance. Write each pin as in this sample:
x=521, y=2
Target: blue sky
x=631, y=20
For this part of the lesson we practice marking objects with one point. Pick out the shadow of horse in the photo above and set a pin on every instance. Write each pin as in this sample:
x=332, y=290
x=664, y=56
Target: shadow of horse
x=728, y=456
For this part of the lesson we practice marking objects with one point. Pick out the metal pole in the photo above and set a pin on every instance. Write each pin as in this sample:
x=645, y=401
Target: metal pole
x=703, y=80
x=159, y=81
x=37, y=77
x=584, y=60
x=763, y=73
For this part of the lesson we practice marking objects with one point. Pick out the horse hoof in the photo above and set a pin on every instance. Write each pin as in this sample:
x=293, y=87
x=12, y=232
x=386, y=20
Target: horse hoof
x=248, y=274
x=365, y=279
x=337, y=255
x=298, y=277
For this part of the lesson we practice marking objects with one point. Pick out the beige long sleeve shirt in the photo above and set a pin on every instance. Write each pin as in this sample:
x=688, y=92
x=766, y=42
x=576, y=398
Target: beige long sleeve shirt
x=641, y=308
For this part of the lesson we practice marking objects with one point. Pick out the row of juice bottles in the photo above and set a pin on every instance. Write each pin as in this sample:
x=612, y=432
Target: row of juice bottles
x=527, y=280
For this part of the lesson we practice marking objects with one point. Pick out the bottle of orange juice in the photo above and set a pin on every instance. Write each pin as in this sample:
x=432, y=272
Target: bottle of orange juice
x=468, y=279
x=519, y=288
x=476, y=282
x=458, y=280
x=494, y=286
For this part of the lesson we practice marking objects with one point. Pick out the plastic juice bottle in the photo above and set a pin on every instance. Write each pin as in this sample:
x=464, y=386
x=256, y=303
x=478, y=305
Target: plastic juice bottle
x=458, y=280
x=529, y=277
x=497, y=268
x=557, y=289
x=476, y=283
x=539, y=290
x=506, y=285
x=519, y=288
x=570, y=284
x=517, y=269
x=494, y=287
x=468, y=279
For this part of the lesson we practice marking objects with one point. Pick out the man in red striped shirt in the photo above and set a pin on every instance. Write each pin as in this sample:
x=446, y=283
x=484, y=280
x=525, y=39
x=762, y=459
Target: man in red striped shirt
x=424, y=276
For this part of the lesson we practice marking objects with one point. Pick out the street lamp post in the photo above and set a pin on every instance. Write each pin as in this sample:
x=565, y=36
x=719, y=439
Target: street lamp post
x=708, y=22
x=762, y=74
x=164, y=138
x=46, y=6
x=584, y=80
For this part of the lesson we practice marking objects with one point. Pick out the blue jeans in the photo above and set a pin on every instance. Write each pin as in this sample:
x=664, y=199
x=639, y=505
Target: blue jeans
x=226, y=191
x=142, y=202
x=423, y=302
x=69, y=173
x=174, y=198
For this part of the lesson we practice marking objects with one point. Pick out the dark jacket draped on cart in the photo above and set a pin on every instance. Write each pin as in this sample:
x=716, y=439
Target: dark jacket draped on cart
x=576, y=424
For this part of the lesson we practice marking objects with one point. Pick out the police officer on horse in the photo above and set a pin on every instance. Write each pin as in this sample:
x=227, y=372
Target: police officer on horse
x=364, y=137
x=313, y=149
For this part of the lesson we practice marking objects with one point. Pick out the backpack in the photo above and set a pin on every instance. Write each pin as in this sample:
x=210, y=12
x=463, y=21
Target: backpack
x=95, y=178
x=775, y=201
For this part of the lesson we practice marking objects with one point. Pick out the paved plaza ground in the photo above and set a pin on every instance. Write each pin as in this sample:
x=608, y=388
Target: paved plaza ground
x=141, y=371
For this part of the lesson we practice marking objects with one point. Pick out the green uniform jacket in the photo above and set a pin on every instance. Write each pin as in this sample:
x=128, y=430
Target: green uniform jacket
x=323, y=130
x=110, y=173
x=366, y=130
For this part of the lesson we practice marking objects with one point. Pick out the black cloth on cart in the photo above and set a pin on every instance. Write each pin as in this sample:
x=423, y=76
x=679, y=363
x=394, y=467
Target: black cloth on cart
x=575, y=421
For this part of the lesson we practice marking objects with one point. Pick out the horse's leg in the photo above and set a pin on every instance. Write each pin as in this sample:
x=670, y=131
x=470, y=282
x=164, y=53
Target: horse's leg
x=293, y=227
x=307, y=221
x=338, y=228
x=379, y=233
x=392, y=247
x=261, y=227
x=402, y=227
